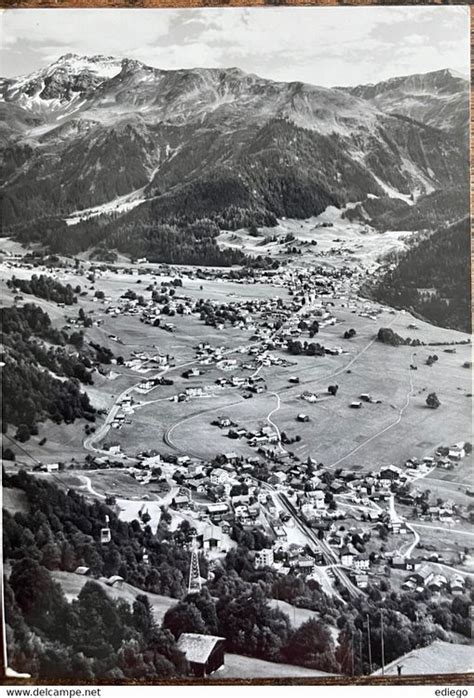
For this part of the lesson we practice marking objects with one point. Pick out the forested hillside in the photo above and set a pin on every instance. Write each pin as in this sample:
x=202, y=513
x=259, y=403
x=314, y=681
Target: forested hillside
x=34, y=355
x=432, y=278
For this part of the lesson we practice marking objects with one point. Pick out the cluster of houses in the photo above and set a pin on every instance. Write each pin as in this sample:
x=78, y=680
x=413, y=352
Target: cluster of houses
x=422, y=576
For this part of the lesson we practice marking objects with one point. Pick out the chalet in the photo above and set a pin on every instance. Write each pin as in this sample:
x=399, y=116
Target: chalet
x=180, y=502
x=422, y=576
x=205, y=653
x=51, y=467
x=82, y=571
x=212, y=538
x=219, y=476
x=457, y=585
x=317, y=497
x=280, y=532
x=337, y=486
x=347, y=557
x=398, y=562
x=302, y=417
x=390, y=473
x=361, y=580
x=361, y=562
x=231, y=457
x=413, y=563
x=438, y=582
x=456, y=452
x=223, y=422
x=356, y=405
x=217, y=511
x=305, y=564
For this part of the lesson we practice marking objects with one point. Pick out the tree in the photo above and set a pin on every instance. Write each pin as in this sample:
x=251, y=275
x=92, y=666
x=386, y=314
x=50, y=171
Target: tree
x=39, y=598
x=432, y=401
x=184, y=618
x=312, y=645
x=23, y=433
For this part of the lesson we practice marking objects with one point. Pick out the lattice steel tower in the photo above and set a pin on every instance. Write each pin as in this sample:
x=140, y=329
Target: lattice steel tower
x=194, y=585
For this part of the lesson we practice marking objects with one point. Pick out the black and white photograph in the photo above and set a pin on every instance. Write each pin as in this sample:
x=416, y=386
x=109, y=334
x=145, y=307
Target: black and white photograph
x=235, y=274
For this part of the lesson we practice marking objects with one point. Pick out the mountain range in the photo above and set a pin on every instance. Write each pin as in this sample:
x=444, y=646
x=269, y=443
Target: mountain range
x=106, y=150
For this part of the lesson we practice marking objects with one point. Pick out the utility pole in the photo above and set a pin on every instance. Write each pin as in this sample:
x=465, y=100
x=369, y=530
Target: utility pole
x=361, y=658
x=369, y=644
x=352, y=652
x=382, y=646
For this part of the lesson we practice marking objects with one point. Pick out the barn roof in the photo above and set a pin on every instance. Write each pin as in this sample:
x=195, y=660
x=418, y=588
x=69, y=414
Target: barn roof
x=196, y=647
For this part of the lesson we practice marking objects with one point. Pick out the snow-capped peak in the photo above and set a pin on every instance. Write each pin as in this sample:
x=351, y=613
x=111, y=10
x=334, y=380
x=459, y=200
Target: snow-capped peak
x=105, y=67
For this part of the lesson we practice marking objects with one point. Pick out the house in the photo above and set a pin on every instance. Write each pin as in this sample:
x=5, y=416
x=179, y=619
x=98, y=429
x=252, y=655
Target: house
x=399, y=563
x=422, y=576
x=280, y=532
x=82, y=570
x=216, y=511
x=212, y=537
x=356, y=405
x=223, y=422
x=302, y=417
x=412, y=563
x=361, y=562
x=456, y=585
x=346, y=557
x=52, y=467
x=115, y=581
x=361, y=580
x=317, y=497
x=438, y=582
x=205, y=653
x=180, y=502
x=456, y=452
x=219, y=476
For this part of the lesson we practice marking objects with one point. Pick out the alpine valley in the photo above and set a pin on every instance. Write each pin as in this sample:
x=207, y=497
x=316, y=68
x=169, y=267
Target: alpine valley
x=237, y=376
x=99, y=150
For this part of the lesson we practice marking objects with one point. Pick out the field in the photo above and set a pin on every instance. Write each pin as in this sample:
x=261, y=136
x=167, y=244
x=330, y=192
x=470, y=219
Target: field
x=402, y=426
x=239, y=667
x=14, y=500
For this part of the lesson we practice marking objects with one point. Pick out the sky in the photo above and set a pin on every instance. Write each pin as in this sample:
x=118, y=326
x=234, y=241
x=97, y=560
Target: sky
x=320, y=45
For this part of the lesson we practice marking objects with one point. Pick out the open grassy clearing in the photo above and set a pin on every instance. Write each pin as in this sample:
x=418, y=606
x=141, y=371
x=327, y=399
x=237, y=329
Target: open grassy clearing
x=335, y=430
x=239, y=667
x=13, y=500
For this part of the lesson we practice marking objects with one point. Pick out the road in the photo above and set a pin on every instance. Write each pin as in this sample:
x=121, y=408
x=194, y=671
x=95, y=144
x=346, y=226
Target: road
x=88, y=486
x=269, y=420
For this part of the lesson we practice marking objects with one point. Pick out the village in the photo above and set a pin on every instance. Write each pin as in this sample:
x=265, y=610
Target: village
x=240, y=360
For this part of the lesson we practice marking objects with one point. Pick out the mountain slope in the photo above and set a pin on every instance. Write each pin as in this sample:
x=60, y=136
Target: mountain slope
x=144, y=147
x=439, y=98
x=432, y=278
